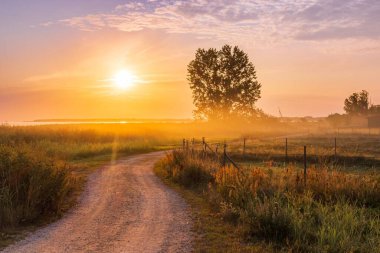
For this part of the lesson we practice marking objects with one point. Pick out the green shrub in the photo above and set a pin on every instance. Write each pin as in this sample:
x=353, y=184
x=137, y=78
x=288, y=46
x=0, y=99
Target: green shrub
x=270, y=220
x=188, y=170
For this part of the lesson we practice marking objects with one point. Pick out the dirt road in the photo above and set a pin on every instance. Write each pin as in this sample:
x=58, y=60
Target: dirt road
x=124, y=208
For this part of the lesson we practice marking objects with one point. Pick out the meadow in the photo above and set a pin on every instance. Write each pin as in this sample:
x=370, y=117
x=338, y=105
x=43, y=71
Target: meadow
x=43, y=168
x=267, y=201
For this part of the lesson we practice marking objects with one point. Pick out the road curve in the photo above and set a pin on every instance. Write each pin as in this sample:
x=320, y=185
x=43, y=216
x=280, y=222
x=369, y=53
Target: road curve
x=124, y=208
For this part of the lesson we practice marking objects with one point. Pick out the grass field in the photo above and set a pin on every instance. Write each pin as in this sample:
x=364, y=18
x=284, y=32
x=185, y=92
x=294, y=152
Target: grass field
x=338, y=210
x=43, y=168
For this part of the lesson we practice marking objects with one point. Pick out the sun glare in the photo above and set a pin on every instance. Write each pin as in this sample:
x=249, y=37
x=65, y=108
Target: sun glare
x=124, y=79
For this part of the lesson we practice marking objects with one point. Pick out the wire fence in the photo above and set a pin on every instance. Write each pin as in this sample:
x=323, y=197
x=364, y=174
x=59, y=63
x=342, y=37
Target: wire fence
x=282, y=152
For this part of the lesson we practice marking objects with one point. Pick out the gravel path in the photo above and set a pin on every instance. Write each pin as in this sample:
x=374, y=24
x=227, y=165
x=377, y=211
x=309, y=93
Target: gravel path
x=124, y=208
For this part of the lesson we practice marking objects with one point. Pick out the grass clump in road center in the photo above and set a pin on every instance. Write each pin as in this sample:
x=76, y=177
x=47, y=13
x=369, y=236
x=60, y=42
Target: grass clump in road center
x=334, y=212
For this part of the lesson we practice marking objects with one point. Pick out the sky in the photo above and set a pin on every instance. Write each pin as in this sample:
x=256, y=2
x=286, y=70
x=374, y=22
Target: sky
x=58, y=58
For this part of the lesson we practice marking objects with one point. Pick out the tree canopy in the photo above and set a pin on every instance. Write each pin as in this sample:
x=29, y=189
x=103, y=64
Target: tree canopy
x=357, y=103
x=224, y=84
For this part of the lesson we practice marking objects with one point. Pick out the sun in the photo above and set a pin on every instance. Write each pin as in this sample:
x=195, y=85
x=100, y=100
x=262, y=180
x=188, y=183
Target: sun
x=124, y=79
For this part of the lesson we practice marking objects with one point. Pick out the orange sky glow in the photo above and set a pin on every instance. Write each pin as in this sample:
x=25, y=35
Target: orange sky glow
x=59, y=64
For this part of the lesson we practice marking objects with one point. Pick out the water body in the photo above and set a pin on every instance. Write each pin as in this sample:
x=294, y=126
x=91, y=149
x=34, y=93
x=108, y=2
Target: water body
x=41, y=123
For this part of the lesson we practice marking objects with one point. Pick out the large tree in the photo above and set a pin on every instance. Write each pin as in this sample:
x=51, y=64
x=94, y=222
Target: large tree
x=357, y=103
x=224, y=84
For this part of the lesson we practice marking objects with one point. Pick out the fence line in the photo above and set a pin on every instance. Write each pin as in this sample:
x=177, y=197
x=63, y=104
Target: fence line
x=318, y=152
x=207, y=147
x=226, y=158
x=241, y=150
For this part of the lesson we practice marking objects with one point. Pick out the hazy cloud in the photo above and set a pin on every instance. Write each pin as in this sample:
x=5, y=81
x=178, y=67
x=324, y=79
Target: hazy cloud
x=52, y=76
x=339, y=20
x=130, y=6
x=258, y=20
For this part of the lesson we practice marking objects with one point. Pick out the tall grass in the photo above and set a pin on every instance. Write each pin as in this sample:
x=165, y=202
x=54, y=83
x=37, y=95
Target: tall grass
x=78, y=142
x=31, y=185
x=334, y=212
x=42, y=167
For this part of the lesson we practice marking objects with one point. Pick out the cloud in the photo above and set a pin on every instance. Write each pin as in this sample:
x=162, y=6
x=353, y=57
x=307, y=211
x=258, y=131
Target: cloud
x=261, y=21
x=339, y=20
x=218, y=19
x=130, y=6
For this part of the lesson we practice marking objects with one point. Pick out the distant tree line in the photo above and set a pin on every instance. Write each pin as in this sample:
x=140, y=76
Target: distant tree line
x=357, y=104
x=225, y=87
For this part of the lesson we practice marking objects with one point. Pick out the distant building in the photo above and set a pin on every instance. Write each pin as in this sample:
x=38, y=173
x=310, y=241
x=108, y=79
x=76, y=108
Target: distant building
x=374, y=121
x=374, y=109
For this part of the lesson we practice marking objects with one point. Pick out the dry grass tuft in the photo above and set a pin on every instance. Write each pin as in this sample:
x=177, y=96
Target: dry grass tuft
x=334, y=212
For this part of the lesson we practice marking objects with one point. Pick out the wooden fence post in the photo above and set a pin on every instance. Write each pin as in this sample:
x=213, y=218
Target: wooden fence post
x=204, y=144
x=224, y=154
x=244, y=148
x=304, y=164
x=286, y=151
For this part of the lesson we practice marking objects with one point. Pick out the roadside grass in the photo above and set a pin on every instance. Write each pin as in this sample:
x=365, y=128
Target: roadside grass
x=334, y=212
x=79, y=171
x=211, y=233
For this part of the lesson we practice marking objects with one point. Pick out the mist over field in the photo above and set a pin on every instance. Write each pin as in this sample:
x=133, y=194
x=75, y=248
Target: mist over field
x=189, y=126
